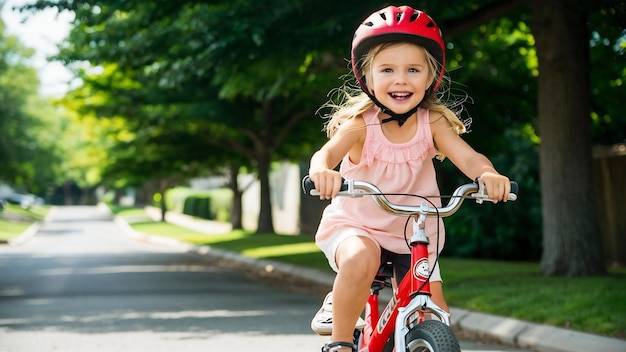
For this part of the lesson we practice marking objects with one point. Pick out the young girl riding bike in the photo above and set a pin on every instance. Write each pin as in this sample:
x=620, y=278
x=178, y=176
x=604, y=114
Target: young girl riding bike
x=388, y=135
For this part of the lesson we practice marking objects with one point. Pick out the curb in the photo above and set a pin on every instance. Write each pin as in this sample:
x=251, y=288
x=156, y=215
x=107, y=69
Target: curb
x=472, y=325
x=24, y=236
x=28, y=234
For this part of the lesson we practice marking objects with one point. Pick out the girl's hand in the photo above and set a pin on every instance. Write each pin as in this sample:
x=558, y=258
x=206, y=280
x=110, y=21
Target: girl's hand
x=498, y=186
x=327, y=182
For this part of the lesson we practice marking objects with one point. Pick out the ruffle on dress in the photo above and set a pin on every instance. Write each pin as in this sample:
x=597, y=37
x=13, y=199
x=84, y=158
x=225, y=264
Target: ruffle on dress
x=378, y=147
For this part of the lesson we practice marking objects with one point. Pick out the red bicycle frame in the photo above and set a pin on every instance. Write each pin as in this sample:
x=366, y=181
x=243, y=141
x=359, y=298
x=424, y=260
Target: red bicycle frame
x=414, y=288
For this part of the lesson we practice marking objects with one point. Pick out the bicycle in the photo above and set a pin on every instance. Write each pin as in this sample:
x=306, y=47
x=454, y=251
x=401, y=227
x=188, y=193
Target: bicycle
x=405, y=314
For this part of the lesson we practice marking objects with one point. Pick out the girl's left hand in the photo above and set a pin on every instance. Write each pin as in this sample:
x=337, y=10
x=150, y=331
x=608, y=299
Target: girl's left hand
x=498, y=186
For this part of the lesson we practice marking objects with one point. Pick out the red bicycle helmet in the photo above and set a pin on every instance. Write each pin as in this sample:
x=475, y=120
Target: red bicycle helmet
x=397, y=24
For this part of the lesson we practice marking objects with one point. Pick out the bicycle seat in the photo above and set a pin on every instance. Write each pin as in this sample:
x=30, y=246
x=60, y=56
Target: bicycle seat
x=383, y=276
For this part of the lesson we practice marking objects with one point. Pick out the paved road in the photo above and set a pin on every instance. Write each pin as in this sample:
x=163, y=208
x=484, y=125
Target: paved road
x=82, y=285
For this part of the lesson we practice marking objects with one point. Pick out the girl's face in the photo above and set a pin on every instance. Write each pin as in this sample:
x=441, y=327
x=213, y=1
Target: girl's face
x=400, y=75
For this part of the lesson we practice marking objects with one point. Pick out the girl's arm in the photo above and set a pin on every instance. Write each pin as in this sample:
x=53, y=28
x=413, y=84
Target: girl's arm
x=465, y=158
x=348, y=139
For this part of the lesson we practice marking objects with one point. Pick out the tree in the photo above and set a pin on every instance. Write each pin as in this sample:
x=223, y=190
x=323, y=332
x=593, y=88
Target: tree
x=178, y=59
x=29, y=124
x=266, y=65
x=570, y=241
x=570, y=238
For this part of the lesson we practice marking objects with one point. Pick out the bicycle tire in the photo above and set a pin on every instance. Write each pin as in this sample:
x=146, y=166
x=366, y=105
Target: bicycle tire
x=432, y=336
x=429, y=336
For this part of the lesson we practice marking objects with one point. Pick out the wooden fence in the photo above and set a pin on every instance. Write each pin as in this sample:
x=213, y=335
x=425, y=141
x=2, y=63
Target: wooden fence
x=609, y=174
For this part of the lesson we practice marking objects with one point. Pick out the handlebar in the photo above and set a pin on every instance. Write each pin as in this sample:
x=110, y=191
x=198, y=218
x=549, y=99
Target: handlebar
x=352, y=188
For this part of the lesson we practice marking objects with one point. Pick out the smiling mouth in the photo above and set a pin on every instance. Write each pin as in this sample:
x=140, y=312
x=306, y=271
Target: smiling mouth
x=401, y=96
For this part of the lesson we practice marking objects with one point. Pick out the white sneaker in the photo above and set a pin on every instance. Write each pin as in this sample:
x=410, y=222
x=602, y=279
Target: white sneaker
x=322, y=322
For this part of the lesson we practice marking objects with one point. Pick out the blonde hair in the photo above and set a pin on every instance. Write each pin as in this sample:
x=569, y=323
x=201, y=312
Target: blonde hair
x=349, y=101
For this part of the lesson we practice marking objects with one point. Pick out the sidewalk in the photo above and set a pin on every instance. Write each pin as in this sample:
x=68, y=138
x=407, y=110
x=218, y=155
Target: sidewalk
x=507, y=331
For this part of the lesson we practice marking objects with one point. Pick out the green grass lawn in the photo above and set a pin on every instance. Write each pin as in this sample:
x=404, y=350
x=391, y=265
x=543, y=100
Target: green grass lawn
x=10, y=230
x=14, y=220
x=518, y=290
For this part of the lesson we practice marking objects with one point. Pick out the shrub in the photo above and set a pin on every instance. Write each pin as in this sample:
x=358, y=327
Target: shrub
x=206, y=204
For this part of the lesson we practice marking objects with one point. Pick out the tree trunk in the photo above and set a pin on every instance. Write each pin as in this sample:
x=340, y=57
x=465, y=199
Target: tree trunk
x=236, y=212
x=67, y=193
x=571, y=241
x=163, y=186
x=84, y=196
x=265, y=224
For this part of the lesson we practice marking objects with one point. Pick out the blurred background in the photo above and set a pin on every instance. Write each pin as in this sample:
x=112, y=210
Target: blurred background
x=211, y=109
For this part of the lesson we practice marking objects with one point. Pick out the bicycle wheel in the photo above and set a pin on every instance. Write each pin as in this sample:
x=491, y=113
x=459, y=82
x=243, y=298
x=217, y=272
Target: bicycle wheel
x=429, y=336
x=432, y=336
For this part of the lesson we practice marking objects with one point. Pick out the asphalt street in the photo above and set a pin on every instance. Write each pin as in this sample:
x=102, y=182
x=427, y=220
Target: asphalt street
x=81, y=284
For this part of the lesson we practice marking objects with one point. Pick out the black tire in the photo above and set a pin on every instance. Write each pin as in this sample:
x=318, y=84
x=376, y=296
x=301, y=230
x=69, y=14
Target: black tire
x=432, y=336
x=429, y=336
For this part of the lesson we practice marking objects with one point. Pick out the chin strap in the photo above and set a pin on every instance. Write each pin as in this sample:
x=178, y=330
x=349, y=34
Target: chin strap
x=400, y=118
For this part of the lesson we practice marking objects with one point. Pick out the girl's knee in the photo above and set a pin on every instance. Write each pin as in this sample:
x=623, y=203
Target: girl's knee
x=358, y=253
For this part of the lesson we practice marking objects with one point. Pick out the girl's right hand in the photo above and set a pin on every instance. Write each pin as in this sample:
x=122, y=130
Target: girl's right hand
x=327, y=182
x=498, y=186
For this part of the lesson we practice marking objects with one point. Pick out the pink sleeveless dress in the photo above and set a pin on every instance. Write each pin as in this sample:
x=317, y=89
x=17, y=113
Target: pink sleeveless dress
x=393, y=168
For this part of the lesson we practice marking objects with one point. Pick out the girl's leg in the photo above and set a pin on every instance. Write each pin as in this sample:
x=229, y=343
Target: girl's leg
x=358, y=259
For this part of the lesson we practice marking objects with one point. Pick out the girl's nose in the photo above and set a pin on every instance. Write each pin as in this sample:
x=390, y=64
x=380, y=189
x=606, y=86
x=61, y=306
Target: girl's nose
x=400, y=78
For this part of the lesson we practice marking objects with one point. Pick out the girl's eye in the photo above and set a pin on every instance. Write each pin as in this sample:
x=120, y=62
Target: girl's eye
x=413, y=70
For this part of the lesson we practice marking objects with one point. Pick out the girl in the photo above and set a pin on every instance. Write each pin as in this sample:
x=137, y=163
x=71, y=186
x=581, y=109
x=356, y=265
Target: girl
x=386, y=135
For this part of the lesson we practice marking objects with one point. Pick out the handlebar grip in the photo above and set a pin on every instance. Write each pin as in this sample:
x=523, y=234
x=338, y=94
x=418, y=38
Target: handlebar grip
x=481, y=194
x=308, y=187
x=514, y=188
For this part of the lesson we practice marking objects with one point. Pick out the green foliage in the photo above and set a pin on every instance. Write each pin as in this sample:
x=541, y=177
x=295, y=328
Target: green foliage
x=192, y=86
x=608, y=79
x=30, y=150
x=509, y=230
x=175, y=198
x=197, y=206
x=503, y=130
x=211, y=204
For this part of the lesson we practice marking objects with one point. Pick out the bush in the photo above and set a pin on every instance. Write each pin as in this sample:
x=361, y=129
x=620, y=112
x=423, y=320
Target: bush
x=510, y=231
x=206, y=204
x=198, y=206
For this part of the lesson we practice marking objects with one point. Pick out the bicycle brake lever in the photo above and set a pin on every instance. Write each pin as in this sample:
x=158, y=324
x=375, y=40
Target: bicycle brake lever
x=481, y=194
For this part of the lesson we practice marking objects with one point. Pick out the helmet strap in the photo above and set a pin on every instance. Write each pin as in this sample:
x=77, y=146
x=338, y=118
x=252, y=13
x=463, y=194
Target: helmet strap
x=400, y=118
